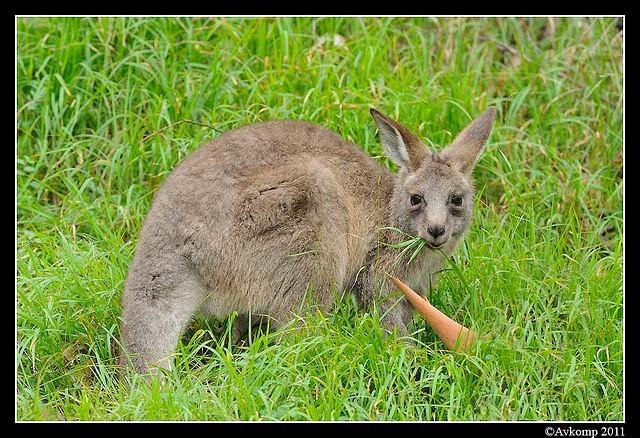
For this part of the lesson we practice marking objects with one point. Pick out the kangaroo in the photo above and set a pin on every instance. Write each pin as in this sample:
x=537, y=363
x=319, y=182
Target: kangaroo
x=271, y=213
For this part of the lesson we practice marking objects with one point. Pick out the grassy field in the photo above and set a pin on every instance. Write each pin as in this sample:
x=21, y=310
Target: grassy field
x=107, y=107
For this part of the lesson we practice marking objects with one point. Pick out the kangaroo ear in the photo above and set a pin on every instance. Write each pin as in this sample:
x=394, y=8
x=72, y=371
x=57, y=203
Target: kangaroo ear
x=465, y=150
x=399, y=143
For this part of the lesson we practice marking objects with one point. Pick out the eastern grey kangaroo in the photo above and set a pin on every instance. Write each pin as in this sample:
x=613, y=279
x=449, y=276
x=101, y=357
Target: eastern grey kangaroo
x=268, y=214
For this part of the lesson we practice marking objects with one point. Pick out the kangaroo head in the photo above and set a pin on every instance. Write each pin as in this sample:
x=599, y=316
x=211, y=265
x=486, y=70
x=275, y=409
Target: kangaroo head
x=433, y=196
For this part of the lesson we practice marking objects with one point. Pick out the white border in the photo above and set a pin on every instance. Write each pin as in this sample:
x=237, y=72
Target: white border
x=624, y=380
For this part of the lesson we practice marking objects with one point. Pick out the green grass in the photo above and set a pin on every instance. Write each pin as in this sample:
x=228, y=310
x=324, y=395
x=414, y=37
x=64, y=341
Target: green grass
x=108, y=107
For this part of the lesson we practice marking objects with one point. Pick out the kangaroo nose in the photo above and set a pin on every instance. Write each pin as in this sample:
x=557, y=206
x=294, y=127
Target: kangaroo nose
x=436, y=231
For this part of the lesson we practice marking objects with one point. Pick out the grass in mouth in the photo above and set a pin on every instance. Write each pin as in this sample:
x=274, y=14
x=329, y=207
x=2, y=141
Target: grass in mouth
x=410, y=245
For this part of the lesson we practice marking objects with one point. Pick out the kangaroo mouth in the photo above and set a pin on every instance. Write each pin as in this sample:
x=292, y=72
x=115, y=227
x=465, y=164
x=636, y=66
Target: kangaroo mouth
x=435, y=246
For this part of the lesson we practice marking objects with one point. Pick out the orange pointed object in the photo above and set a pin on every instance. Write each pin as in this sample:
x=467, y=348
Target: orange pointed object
x=455, y=336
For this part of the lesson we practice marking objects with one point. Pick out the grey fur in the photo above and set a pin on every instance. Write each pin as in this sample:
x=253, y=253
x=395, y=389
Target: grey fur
x=268, y=213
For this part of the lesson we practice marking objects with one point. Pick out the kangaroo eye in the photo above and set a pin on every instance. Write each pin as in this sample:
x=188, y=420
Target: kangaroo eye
x=456, y=200
x=415, y=199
